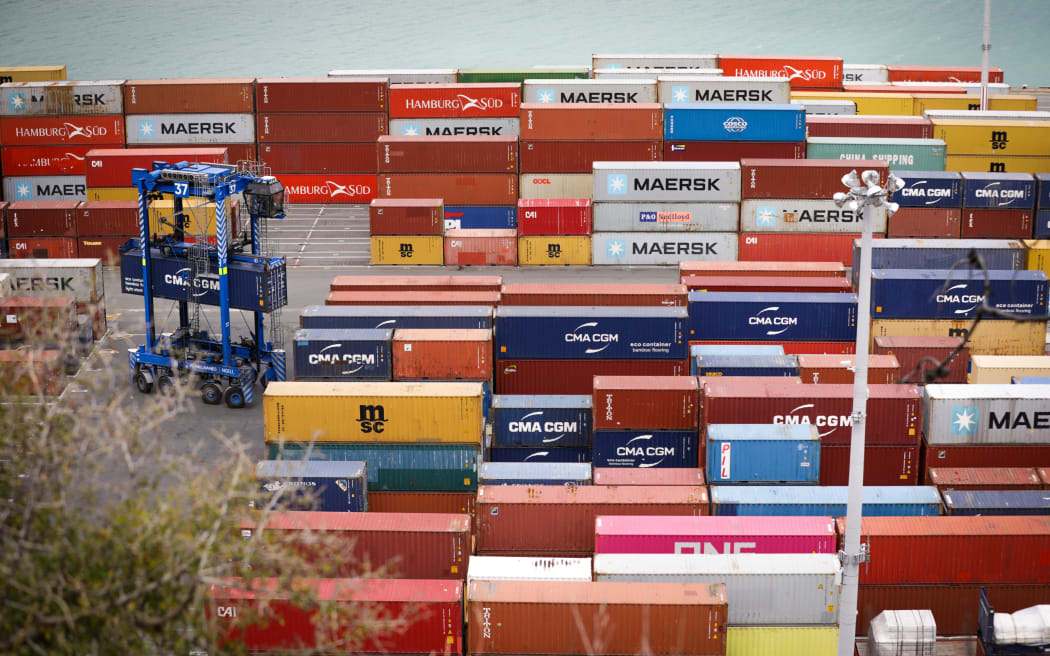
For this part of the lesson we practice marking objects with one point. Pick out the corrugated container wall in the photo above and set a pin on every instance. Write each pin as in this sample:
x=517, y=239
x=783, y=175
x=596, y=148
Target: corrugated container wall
x=229, y=95
x=713, y=535
x=761, y=453
x=793, y=500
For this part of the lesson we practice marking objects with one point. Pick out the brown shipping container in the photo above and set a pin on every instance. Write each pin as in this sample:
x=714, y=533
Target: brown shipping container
x=234, y=152
x=884, y=464
x=572, y=617
x=28, y=372
x=910, y=351
x=320, y=157
x=190, y=96
x=57, y=218
x=1014, y=455
x=645, y=402
x=3, y=219
x=481, y=247
x=42, y=247
x=558, y=519
x=413, y=545
x=105, y=248
x=423, y=354
x=996, y=224
x=781, y=269
x=580, y=156
x=767, y=284
x=954, y=607
x=405, y=216
x=574, y=376
x=412, y=298
x=651, y=476
x=984, y=478
x=453, y=188
x=320, y=94
x=838, y=369
x=587, y=121
x=333, y=127
x=417, y=283
x=594, y=294
x=807, y=178
x=731, y=151
x=877, y=127
x=924, y=222
x=108, y=217
x=460, y=503
x=50, y=320
x=400, y=154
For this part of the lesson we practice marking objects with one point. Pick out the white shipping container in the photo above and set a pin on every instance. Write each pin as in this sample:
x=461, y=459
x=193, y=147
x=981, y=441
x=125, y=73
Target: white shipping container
x=589, y=91
x=667, y=181
x=804, y=215
x=80, y=279
x=500, y=568
x=149, y=129
x=5, y=285
x=555, y=185
x=641, y=73
x=1000, y=369
x=827, y=107
x=987, y=414
x=763, y=589
x=45, y=187
x=403, y=75
x=989, y=115
x=864, y=73
x=972, y=88
x=665, y=217
x=62, y=98
x=661, y=248
x=653, y=61
x=455, y=127
x=691, y=89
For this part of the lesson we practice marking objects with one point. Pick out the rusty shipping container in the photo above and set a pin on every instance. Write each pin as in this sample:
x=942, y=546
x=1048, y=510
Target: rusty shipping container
x=50, y=320
x=636, y=476
x=996, y=224
x=453, y=188
x=870, y=126
x=477, y=247
x=554, y=216
x=332, y=127
x=427, y=297
x=753, y=268
x=42, y=218
x=754, y=283
x=42, y=247
x=910, y=351
x=403, y=216
x=190, y=96
x=108, y=217
x=422, y=354
x=594, y=294
x=580, y=156
x=417, y=283
x=662, y=619
x=32, y=372
x=800, y=247
x=925, y=222
x=574, y=376
x=320, y=94
x=424, y=154
x=720, y=151
x=105, y=248
x=984, y=478
x=1014, y=455
x=320, y=157
x=838, y=369
x=111, y=167
x=591, y=121
x=645, y=402
x=884, y=464
x=808, y=178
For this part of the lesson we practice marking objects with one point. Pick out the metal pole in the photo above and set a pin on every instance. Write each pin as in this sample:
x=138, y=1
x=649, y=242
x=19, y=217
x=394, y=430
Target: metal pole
x=986, y=47
x=852, y=556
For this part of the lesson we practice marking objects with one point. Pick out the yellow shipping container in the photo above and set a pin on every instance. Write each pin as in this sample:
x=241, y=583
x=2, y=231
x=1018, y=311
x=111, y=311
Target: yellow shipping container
x=1000, y=369
x=112, y=193
x=782, y=640
x=31, y=73
x=1029, y=138
x=552, y=250
x=895, y=104
x=990, y=337
x=997, y=164
x=427, y=411
x=1006, y=103
x=196, y=218
x=408, y=249
x=1038, y=258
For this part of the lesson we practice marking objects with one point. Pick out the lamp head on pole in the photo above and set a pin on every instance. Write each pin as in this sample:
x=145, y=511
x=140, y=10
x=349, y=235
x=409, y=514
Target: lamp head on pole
x=870, y=178
x=840, y=199
x=851, y=179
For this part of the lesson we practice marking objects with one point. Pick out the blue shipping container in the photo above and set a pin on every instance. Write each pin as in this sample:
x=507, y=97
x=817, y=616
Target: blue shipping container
x=541, y=421
x=746, y=365
x=1042, y=198
x=919, y=294
x=941, y=189
x=822, y=500
x=315, y=485
x=1042, y=224
x=540, y=454
x=1000, y=191
x=763, y=453
x=940, y=253
x=396, y=316
x=1031, y=380
x=327, y=353
x=535, y=473
x=997, y=502
x=591, y=333
x=772, y=316
x=734, y=122
x=481, y=217
x=643, y=449
x=731, y=349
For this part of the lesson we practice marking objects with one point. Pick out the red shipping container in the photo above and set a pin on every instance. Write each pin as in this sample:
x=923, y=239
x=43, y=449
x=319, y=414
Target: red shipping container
x=796, y=348
x=341, y=127
x=753, y=283
x=883, y=464
x=43, y=160
x=106, y=249
x=645, y=402
x=3, y=220
x=101, y=130
x=483, y=154
x=481, y=247
x=190, y=96
x=413, y=545
x=580, y=156
x=56, y=218
x=704, y=380
x=924, y=222
x=803, y=72
x=890, y=88
x=111, y=167
x=320, y=94
x=996, y=224
x=234, y=152
x=118, y=218
x=941, y=74
x=984, y=478
x=452, y=188
x=910, y=351
x=320, y=158
x=1014, y=455
x=454, y=100
x=417, y=283
x=428, y=354
x=955, y=549
x=554, y=216
x=412, y=298
x=798, y=246
x=591, y=121
x=31, y=372
x=559, y=519
x=42, y=247
x=332, y=188
x=48, y=319
x=808, y=178
x=794, y=268
x=405, y=216
x=879, y=127
x=600, y=294
x=572, y=617
x=574, y=376
x=722, y=151
x=432, y=611
x=894, y=411
x=838, y=369
x=459, y=503
x=651, y=476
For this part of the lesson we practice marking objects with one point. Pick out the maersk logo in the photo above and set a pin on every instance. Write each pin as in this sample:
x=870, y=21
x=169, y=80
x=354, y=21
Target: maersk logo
x=734, y=124
x=616, y=183
x=616, y=248
x=147, y=129
x=18, y=102
x=410, y=130
x=24, y=191
x=680, y=94
x=965, y=419
x=765, y=216
x=545, y=95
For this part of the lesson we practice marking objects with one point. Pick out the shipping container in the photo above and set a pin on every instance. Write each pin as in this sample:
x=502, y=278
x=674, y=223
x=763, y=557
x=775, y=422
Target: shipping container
x=556, y=520
x=614, y=73
x=1001, y=102
x=804, y=72
x=944, y=294
x=455, y=127
x=784, y=640
x=878, y=104
x=629, y=294
x=762, y=453
x=413, y=297
x=227, y=95
x=863, y=73
x=51, y=219
x=666, y=217
x=405, y=216
x=196, y=218
x=795, y=500
x=989, y=115
x=320, y=158
x=408, y=250
x=509, y=568
x=1001, y=191
x=45, y=188
x=919, y=222
x=31, y=73
x=42, y=247
x=929, y=189
x=805, y=215
x=667, y=181
x=942, y=253
x=454, y=100
x=32, y=372
x=333, y=354
x=986, y=414
x=1044, y=474
x=689, y=88
x=764, y=589
x=401, y=75
x=636, y=476
x=1030, y=380
x=481, y=247
x=454, y=189
x=426, y=154
x=453, y=283
x=565, y=216
x=488, y=217
x=798, y=247
x=633, y=91
x=984, y=478
x=795, y=285
x=461, y=503
x=745, y=365
x=720, y=151
x=816, y=179
x=38, y=321
x=900, y=154
x=574, y=376
x=580, y=156
x=534, y=473
x=645, y=448
x=334, y=188
x=1039, y=250
x=320, y=127
x=992, y=369
x=661, y=248
x=941, y=74
x=421, y=354
x=996, y=163
x=884, y=464
x=63, y=130
x=684, y=62
x=772, y=316
x=591, y=121
x=734, y=122
x=113, y=218
x=924, y=88
x=1003, y=137
x=556, y=185
x=541, y=421
x=111, y=167
x=988, y=338
x=712, y=535
x=320, y=94
x=840, y=369
x=996, y=502
x=190, y=128
x=552, y=454
x=43, y=160
x=1018, y=455
x=395, y=316
x=104, y=248
x=768, y=268
x=315, y=485
x=789, y=347
x=519, y=75
x=881, y=127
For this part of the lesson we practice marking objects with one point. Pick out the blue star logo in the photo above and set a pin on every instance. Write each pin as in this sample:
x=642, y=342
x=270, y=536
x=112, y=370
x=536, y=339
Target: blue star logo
x=23, y=191
x=965, y=419
x=545, y=95
x=766, y=216
x=410, y=130
x=146, y=129
x=616, y=183
x=616, y=248
x=18, y=102
x=679, y=94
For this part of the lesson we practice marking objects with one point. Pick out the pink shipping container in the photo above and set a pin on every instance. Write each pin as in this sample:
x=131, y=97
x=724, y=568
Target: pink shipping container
x=574, y=376
x=554, y=216
x=481, y=247
x=723, y=151
x=879, y=127
x=331, y=127
x=425, y=354
x=405, y=216
x=645, y=402
x=580, y=156
x=798, y=246
x=808, y=178
x=713, y=534
x=320, y=94
x=555, y=519
x=793, y=268
x=601, y=294
x=772, y=283
x=638, y=476
x=482, y=154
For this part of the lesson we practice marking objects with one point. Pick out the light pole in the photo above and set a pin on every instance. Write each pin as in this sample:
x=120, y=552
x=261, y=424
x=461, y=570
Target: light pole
x=864, y=194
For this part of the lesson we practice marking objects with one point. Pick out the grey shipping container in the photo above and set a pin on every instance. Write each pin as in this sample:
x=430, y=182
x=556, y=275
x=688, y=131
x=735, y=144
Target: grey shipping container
x=686, y=89
x=451, y=127
x=45, y=187
x=535, y=473
x=341, y=354
x=589, y=91
x=396, y=316
x=940, y=253
x=80, y=279
x=667, y=181
x=986, y=414
x=316, y=485
x=151, y=129
x=666, y=217
x=663, y=247
x=805, y=215
x=62, y=98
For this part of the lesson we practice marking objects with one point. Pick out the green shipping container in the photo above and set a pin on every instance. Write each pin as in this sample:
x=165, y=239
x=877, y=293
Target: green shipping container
x=902, y=154
x=519, y=75
x=396, y=467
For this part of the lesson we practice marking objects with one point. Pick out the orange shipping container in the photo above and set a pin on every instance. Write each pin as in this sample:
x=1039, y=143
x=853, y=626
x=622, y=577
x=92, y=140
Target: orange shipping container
x=838, y=369
x=480, y=247
x=190, y=96
x=417, y=283
x=412, y=298
x=426, y=354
